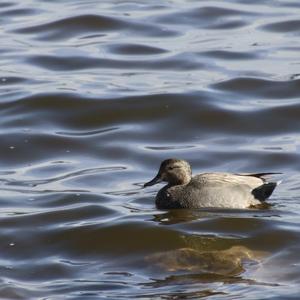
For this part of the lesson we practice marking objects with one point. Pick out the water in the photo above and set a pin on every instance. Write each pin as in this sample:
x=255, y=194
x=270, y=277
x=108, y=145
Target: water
x=94, y=95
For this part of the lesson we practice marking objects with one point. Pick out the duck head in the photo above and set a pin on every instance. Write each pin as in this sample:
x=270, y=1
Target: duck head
x=173, y=171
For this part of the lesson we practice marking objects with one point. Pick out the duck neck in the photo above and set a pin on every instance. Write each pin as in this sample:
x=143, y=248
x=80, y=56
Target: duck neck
x=181, y=179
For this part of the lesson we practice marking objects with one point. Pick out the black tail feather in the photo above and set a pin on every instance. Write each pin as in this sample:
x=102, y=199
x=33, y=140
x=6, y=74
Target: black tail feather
x=264, y=191
x=259, y=175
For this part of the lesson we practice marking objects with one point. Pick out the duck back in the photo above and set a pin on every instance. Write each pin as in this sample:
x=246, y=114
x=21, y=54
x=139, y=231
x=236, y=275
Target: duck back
x=223, y=190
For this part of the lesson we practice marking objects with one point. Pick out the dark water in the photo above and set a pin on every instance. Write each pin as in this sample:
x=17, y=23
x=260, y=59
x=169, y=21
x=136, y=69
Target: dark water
x=93, y=95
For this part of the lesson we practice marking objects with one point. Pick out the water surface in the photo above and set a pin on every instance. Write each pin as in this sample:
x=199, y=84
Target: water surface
x=94, y=95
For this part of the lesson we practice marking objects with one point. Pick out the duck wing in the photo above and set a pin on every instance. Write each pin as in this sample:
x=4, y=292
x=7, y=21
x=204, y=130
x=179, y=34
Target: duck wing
x=259, y=175
x=233, y=190
x=230, y=179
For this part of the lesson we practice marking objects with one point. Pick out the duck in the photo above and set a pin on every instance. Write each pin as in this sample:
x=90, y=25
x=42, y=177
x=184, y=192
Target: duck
x=209, y=190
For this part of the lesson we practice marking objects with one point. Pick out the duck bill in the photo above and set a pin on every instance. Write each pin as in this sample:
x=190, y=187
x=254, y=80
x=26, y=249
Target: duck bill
x=155, y=180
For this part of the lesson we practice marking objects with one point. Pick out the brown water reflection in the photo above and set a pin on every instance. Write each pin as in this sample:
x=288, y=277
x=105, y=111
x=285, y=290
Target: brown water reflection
x=223, y=262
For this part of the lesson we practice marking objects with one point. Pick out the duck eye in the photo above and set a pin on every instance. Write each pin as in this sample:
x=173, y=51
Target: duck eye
x=172, y=167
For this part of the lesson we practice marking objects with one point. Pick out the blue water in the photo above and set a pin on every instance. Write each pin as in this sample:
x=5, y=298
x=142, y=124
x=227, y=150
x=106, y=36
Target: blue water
x=94, y=95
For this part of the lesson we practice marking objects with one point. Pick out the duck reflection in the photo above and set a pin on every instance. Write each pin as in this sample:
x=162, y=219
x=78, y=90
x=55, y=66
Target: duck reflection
x=176, y=216
x=229, y=262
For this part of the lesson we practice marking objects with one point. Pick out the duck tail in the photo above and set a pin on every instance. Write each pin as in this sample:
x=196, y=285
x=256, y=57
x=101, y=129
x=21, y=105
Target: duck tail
x=264, y=191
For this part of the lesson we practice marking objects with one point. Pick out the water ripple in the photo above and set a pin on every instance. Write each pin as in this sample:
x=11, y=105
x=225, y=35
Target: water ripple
x=94, y=95
x=285, y=26
x=90, y=23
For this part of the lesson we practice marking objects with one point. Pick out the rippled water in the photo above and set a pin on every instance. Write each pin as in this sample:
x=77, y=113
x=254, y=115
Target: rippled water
x=93, y=95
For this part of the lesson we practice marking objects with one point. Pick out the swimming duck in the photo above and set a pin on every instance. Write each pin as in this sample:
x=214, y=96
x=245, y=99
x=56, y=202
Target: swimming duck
x=223, y=190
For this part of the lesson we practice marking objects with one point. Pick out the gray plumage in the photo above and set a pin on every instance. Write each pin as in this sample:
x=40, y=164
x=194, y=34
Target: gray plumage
x=224, y=190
